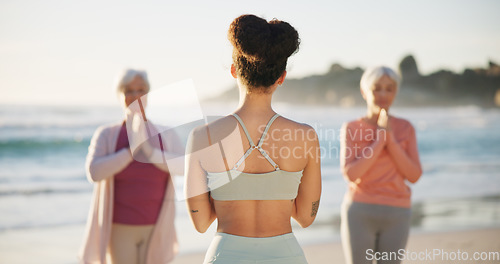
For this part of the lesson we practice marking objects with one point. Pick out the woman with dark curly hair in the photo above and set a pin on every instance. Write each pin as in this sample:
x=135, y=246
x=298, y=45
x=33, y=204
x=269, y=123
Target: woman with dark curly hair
x=253, y=189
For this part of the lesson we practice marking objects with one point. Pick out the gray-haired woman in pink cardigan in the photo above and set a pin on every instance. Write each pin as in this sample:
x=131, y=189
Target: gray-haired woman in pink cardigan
x=131, y=218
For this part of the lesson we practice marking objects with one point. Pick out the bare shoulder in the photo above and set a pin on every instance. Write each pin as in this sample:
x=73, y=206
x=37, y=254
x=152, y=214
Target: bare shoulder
x=209, y=133
x=107, y=128
x=353, y=124
x=302, y=128
x=401, y=123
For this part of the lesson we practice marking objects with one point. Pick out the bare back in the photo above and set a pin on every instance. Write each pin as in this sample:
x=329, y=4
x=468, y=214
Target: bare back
x=218, y=148
x=285, y=142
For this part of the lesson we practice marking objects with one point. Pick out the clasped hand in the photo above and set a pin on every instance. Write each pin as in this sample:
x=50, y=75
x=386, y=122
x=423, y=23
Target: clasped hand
x=384, y=132
x=139, y=134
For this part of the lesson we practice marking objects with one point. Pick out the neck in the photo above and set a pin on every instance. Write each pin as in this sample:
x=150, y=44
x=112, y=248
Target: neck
x=255, y=103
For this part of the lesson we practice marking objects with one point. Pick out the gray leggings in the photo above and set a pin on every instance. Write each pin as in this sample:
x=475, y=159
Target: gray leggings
x=369, y=228
x=232, y=249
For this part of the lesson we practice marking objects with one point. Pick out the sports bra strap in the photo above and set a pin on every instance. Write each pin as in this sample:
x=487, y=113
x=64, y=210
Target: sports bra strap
x=247, y=153
x=267, y=128
x=253, y=146
x=264, y=153
x=244, y=129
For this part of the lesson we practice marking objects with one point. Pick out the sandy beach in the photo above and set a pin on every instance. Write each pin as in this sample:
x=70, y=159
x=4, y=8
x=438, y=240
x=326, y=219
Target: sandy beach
x=444, y=247
x=59, y=245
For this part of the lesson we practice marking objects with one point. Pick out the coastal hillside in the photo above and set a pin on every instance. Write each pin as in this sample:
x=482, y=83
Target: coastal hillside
x=340, y=87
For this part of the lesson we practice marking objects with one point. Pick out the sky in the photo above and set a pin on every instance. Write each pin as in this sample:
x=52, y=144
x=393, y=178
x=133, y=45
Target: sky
x=69, y=52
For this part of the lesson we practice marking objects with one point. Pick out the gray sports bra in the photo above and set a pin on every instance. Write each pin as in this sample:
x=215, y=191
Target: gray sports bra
x=237, y=185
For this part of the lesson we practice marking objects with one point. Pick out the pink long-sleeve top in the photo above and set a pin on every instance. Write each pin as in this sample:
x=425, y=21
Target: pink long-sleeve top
x=103, y=162
x=382, y=180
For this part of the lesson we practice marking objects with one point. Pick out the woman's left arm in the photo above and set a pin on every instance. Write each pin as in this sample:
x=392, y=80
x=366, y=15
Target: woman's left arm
x=407, y=162
x=306, y=203
x=200, y=205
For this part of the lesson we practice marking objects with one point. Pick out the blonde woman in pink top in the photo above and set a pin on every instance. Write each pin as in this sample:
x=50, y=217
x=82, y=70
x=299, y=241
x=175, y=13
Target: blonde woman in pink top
x=379, y=156
x=131, y=218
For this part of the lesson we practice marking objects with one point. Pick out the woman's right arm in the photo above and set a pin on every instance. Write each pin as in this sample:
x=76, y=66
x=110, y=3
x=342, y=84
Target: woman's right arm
x=99, y=163
x=356, y=161
x=200, y=206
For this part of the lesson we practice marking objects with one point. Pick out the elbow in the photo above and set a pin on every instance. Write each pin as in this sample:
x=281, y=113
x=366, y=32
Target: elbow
x=91, y=172
x=415, y=176
x=305, y=221
x=90, y=177
x=349, y=174
x=413, y=179
x=201, y=229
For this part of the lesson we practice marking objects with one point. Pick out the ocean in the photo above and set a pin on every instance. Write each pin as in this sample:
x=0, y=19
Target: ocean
x=43, y=184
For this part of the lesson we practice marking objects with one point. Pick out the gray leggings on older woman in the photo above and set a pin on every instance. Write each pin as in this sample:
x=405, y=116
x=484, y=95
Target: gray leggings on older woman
x=370, y=228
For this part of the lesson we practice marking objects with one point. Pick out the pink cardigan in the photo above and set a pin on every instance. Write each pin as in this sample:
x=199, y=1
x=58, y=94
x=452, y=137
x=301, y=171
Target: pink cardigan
x=101, y=165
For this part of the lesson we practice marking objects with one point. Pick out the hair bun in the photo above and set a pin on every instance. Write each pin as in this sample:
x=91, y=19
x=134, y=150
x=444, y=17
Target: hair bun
x=259, y=40
x=285, y=39
x=261, y=49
